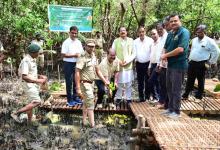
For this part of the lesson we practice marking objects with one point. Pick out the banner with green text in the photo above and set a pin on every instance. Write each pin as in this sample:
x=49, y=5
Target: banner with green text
x=61, y=18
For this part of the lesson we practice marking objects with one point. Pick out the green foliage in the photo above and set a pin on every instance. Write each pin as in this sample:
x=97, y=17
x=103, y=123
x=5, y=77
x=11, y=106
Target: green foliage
x=112, y=86
x=55, y=86
x=217, y=88
x=116, y=120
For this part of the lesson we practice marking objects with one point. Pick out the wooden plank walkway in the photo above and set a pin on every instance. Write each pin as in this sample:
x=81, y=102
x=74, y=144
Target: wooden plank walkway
x=149, y=111
x=184, y=133
x=207, y=105
x=59, y=104
x=209, y=87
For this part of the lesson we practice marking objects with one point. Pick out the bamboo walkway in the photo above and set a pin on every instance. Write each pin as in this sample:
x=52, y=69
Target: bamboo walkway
x=209, y=87
x=182, y=134
x=207, y=105
x=59, y=104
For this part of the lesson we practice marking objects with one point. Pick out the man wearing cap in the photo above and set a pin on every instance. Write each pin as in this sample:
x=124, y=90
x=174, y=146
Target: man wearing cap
x=99, y=46
x=38, y=41
x=71, y=50
x=86, y=70
x=30, y=82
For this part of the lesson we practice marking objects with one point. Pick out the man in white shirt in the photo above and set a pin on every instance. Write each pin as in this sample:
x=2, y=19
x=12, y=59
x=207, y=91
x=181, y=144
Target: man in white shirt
x=161, y=32
x=71, y=51
x=142, y=53
x=203, y=49
x=123, y=46
x=163, y=98
x=156, y=51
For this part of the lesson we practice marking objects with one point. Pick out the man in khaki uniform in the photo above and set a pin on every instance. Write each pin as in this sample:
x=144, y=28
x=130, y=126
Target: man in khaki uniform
x=38, y=41
x=86, y=69
x=30, y=82
x=99, y=46
x=109, y=67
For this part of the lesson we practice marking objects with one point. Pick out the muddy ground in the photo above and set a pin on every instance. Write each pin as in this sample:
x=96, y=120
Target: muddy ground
x=63, y=131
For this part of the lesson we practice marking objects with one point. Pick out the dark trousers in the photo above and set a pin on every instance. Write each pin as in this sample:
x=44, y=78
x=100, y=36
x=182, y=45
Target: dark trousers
x=101, y=91
x=142, y=77
x=174, y=81
x=195, y=70
x=153, y=82
x=163, y=89
x=69, y=73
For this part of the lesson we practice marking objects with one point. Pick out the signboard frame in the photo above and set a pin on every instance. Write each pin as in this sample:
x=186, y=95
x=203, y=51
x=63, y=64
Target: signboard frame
x=62, y=17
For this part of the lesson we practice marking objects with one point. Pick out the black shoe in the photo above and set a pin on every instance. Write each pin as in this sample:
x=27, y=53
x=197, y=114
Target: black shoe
x=128, y=104
x=142, y=100
x=117, y=104
x=185, y=96
x=118, y=101
x=198, y=97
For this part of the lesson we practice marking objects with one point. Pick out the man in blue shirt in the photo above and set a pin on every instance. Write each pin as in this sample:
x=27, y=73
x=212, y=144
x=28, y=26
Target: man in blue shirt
x=176, y=49
x=203, y=49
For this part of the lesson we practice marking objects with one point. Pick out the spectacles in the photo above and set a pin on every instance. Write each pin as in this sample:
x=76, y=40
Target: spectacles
x=90, y=46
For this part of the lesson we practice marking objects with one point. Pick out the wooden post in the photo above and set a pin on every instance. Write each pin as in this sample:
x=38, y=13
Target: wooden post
x=11, y=66
x=141, y=121
x=138, y=133
x=58, y=70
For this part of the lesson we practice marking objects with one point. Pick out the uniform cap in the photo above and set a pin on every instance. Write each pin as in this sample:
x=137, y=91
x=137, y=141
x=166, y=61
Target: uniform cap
x=90, y=42
x=33, y=48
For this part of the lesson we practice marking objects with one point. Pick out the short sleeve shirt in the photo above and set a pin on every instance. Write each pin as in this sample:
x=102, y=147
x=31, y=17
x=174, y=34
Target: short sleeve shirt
x=174, y=40
x=28, y=66
x=108, y=69
x=87, y=64
x=71, y=47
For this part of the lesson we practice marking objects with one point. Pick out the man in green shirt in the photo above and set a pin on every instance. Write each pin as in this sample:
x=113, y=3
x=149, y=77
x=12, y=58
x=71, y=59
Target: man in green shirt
x=176, y=49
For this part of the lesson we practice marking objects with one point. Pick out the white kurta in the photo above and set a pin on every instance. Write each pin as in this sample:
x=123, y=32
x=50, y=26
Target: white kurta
x=125, y=76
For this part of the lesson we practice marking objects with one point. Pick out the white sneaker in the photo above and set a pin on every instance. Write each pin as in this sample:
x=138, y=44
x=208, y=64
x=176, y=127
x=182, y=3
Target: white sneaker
x=99, y=106
x=154, y=101
x=197, y=100
x=174, y=115
x=166, y=112
x=111, y=105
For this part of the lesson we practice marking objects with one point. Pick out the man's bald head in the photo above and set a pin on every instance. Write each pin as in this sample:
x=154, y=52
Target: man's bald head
x=111, y=55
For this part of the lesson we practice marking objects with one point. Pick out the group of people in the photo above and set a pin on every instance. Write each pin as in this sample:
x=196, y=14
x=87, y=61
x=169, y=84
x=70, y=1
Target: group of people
x=161, y=62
